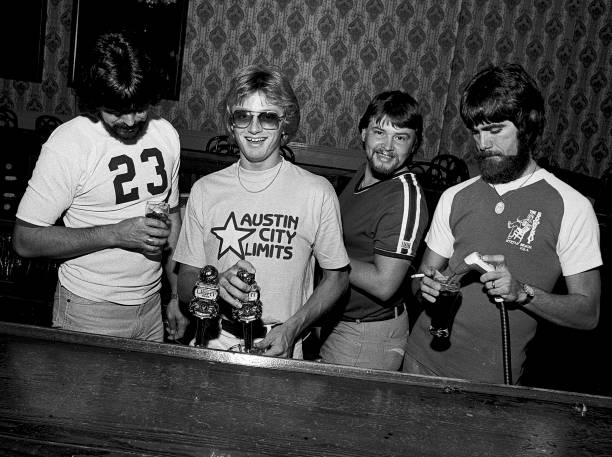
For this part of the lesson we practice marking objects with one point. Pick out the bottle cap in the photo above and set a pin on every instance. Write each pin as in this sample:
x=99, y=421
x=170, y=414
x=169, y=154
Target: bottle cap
x=209, y=274
x=245, y=276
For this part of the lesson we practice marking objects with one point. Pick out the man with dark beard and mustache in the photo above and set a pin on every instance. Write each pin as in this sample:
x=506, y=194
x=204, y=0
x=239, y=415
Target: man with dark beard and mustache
x=384, y=217
x=528, y=224
x=97, y=172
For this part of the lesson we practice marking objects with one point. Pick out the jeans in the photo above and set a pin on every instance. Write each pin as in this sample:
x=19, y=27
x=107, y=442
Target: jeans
x=378, y=345
x=143, y=322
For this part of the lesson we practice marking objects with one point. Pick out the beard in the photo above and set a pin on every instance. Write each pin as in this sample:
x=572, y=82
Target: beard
x=125, y=133
x=383, y=170
x=497, y=168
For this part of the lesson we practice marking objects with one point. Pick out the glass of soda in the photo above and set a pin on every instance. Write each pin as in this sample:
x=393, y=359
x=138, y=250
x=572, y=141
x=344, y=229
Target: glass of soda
x=443, y=310
x=158, y=210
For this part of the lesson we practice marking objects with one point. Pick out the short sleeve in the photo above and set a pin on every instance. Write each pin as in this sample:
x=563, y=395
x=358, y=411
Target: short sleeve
x=440, y=238
x=190, y=245
x=578, y=242
x=403, y=221
x=329, y=247
x=50, y=190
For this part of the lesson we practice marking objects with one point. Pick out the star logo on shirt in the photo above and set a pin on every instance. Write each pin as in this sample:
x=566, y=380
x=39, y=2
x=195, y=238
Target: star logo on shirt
x=231, y=237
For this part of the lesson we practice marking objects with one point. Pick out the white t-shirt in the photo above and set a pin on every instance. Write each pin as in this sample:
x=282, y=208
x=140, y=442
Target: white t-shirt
x=97, y=180
x=280, y=230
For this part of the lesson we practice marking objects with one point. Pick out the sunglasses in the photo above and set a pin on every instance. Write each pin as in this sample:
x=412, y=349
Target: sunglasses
x=269, y=120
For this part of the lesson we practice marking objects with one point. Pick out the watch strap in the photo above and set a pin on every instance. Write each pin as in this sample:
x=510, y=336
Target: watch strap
x=528, y=291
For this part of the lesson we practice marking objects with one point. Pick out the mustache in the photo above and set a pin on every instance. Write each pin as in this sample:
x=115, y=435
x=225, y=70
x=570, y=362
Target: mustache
x=485, y=154
x=382, y=150
x=128, y=127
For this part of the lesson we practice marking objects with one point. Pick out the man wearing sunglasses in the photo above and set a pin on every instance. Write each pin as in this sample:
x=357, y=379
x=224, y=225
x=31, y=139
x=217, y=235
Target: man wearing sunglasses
x=268, y=216
x=384, y=216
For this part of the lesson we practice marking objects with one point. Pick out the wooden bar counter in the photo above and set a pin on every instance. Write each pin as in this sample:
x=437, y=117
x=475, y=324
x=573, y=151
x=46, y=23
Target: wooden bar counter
x=65, y=393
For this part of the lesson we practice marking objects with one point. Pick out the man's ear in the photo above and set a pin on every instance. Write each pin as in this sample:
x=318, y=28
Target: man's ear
x=363, y=135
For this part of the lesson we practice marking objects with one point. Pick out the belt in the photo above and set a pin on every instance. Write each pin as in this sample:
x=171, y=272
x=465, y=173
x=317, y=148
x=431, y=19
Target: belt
x=237, y=329
x=392, y=313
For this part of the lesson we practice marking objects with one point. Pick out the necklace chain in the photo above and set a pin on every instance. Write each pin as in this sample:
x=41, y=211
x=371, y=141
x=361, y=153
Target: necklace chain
x=263, y=188
x=500, y=206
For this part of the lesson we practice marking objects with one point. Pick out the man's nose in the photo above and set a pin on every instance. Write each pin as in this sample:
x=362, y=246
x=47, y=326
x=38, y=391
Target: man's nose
x=129, y=119
x=388, y=142
x=483, y=140
x=255, y=126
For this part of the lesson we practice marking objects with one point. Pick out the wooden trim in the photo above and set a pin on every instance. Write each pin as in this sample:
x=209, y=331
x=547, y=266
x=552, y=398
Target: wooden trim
x=193, y=141
x=233, y=358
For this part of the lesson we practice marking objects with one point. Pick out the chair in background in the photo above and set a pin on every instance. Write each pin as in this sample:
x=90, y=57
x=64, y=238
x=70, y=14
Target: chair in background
x=450, y=169
x=418, y=168
x=221, y=144
x=287, y=153
x=8, y=118
x=45, y=124
x=443, y=171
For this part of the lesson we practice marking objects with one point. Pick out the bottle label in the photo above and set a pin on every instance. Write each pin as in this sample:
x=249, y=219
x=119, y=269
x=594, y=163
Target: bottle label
x=206, y=293
x=253, y=295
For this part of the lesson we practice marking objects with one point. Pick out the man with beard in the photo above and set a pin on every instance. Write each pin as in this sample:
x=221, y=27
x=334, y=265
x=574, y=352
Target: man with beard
x=384, y=216
x=528, y=224
x=97, y=172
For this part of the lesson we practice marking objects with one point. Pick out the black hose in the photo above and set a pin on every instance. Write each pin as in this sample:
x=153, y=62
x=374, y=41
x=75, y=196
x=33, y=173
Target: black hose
x=505, y=329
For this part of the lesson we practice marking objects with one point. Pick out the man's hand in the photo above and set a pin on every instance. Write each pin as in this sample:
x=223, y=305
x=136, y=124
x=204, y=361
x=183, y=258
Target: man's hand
x=232, y=289
x=175, y=323
x=429, y=287
x=142, y=234
x=500, y=282
x=278, y=342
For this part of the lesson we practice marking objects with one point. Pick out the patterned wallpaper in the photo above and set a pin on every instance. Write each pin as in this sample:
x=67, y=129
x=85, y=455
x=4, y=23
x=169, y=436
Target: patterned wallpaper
x=339, y=53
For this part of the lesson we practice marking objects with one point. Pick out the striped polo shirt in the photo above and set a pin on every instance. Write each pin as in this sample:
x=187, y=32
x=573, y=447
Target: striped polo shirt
x=387, y=218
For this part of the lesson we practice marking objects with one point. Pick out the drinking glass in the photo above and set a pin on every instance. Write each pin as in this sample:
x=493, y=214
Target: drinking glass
x=158, y=210
x=443, y=310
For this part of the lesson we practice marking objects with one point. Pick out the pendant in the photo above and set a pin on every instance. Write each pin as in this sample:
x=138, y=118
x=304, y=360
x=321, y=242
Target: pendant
x=499, y=208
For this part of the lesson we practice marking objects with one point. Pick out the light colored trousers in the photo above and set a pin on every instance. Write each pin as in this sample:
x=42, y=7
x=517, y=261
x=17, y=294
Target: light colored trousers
x=143, y=322
x=377, y=345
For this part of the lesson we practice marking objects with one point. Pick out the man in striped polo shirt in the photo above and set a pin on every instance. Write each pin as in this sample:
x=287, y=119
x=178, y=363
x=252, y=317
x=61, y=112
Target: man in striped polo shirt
x=526, y=222
x=384, y=217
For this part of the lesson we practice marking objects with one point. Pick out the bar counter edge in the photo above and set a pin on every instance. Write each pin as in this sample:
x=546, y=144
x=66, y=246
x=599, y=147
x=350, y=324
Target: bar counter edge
x=275, y=363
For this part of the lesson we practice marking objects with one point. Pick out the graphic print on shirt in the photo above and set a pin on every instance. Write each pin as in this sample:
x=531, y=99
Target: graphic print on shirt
x=127, y=172
x=521, y=227
x=257, y=235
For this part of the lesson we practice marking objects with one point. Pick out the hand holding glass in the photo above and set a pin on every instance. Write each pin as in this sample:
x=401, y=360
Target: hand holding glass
x=442, y=311
x=158, y=210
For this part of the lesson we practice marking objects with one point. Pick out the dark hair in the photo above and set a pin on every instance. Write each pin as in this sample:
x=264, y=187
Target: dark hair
x=275, y=88
x=402, y=110
x=505, y=93
x=118, y=76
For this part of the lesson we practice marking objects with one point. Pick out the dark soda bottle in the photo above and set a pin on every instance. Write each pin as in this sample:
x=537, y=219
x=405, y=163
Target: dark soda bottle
x=251, y=308
x=204, y=303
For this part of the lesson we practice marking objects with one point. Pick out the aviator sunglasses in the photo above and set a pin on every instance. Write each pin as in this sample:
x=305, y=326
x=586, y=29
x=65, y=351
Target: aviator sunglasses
x=269, y=120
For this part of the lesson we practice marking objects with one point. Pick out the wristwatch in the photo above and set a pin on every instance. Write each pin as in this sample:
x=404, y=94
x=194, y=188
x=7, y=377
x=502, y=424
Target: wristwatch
x=529, y=292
